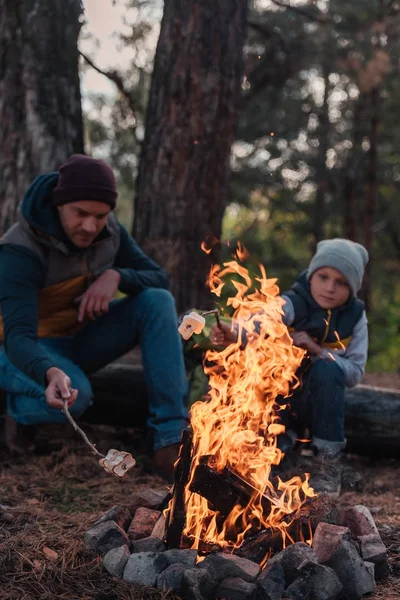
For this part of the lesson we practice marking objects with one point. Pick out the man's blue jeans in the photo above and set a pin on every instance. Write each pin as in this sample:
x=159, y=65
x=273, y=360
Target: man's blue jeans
x=148, y=319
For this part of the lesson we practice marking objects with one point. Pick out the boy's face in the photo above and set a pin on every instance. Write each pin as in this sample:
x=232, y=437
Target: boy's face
x=329, y=288
x=82, y=221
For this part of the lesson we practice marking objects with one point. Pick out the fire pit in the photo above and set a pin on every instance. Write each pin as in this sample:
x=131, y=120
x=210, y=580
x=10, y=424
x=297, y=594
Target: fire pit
x=230, y=527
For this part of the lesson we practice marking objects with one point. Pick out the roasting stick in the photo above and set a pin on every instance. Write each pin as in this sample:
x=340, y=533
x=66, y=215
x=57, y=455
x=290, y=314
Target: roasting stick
x=115, y=462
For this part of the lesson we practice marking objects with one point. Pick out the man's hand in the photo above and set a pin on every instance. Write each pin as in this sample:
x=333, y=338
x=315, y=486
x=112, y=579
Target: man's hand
x=94, y=302
x=222, y=335
x=59, y=389
x=303, y=340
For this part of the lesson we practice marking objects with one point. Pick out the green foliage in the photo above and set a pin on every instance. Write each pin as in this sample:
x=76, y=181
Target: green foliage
x=301, y=164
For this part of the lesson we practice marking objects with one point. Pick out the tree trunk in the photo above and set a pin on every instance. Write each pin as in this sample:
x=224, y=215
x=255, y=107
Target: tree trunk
x=321, y=174
x=372, y=192
x=372, y=414
x=191, y=117
x=40, y=104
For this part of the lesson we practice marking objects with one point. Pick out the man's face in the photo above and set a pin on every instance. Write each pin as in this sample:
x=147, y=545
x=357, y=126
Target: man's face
x=82, y=221
x=329, y=288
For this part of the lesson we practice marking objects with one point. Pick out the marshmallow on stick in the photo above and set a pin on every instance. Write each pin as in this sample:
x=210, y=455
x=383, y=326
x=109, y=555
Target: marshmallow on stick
x=191, y=323
x=116, y=462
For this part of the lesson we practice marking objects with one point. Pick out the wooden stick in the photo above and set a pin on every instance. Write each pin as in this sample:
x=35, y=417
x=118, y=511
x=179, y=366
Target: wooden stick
x=79, y=430
x=215, y=312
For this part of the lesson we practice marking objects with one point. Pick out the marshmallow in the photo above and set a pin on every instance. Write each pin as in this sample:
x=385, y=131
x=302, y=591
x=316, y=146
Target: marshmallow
x=191, y=323
x=117, y=462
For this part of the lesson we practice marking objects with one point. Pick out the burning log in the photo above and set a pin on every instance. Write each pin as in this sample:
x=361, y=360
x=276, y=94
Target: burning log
x=223, y=490
x=299, y=525
x=176, y=519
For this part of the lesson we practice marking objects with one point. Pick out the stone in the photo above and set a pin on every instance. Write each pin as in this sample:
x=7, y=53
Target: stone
x=291, y=558
x=271, y=582
x=370, y=568
x=187, y=558
x=143, y=523
x=326, y=538
x=154, y=499
x=116, y=559
x=140, y=569
x=234, y=588
x=359, y=520
x=197, y=584
x=314, y=581
x=105, y=536
x=148, y=544
x=171, y=578
x=222, y=566
x=374, y=550
x=354, y=576
x=121, y=515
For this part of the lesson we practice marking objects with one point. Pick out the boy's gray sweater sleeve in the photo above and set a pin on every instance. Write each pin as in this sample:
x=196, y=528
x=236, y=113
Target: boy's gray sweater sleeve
x=353, y=360
x=288, y=311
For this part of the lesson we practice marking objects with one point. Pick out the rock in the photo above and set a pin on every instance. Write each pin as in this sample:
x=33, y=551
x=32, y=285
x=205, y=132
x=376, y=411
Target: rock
x=143, y=523
x=148, y=544
x=171, y=578
x=374, y=550
x=222, y=566
x=116, y=559
x=271, y=582
x=359, y=520
x=141, y=570
x=370, y=568
x=105, y=536
x=154, y=499
x=121, y=515
x=314, y=581
x=291, y=558
x=235, y=588
x=197, y=584
x=170, y=557
x=354, y=576
x=326, y=538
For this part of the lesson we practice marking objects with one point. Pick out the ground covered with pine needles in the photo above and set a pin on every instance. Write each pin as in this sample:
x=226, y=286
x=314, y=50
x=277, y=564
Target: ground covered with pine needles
x=47, y=503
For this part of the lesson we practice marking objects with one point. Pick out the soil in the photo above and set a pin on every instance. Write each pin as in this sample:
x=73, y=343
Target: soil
x=47, y=503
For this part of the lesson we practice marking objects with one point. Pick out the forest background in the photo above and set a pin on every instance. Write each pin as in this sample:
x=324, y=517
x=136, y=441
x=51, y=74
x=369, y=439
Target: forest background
x=315, y=152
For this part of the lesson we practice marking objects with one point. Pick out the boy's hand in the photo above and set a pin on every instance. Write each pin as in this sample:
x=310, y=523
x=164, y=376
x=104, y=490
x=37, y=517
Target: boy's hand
x=94, y=302
x=303, y=340
x=59, y=389
x=222, y=335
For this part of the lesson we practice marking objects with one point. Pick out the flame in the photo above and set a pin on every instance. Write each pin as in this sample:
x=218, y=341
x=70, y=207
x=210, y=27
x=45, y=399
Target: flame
x=239, y=425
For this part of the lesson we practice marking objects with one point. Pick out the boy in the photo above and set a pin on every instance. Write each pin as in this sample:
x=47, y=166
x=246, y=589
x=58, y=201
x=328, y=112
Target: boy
x=327, y=319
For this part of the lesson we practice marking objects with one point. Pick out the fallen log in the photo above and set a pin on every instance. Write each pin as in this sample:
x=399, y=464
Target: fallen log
x=372, y=414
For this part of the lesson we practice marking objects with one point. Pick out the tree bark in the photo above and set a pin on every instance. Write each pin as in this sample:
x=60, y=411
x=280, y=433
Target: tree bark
x=40, y=103
x=183, y=177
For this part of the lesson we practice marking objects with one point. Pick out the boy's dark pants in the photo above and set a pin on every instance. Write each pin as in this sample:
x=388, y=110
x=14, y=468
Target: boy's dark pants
x=319, y=407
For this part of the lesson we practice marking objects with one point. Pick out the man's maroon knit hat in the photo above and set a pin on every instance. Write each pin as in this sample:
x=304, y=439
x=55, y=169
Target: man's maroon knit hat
x=85, y=178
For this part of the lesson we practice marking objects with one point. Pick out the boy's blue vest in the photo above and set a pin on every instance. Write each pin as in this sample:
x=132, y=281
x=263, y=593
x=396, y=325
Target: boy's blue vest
x=328, y=327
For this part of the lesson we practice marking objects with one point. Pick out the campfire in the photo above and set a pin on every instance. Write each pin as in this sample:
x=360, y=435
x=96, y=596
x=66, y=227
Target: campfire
x=231, y=527
x=224, y=491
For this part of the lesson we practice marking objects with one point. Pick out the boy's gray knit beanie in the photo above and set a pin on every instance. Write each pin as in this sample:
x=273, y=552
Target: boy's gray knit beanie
x=346, y=256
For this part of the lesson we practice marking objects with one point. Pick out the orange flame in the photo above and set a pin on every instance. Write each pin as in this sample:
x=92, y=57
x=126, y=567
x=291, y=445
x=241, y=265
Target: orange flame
x=239, y=425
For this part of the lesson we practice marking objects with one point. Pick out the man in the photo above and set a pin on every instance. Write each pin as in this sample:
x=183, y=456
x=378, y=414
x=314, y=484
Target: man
x=60, y=267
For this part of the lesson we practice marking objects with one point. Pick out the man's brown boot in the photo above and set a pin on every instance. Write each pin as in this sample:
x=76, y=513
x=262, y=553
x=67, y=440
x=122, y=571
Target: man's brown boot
x=164, y=460
x=19, y=439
